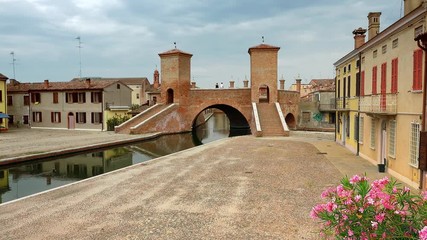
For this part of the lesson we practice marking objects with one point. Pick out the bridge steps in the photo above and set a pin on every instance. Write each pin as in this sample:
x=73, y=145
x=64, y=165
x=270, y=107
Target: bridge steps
x=125, y=128
x=269, y=119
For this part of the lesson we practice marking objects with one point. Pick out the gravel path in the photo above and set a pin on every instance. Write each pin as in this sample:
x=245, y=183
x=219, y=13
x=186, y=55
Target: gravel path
x=237, y=188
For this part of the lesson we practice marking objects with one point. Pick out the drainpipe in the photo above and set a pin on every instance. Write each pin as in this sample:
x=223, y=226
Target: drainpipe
x=423, y=38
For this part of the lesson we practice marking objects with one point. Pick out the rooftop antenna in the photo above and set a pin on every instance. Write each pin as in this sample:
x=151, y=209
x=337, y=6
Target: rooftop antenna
x=174, y=43
x=80, y=56
x=13, y=63
x=263, y=39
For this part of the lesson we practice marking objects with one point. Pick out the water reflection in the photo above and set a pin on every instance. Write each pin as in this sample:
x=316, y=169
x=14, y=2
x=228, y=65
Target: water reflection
x=30, y=178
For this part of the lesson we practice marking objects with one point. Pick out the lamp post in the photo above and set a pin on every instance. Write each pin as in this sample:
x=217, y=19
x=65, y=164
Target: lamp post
x=421, y=40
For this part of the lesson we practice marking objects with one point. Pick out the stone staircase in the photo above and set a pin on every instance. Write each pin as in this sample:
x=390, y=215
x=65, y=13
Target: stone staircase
x=269, y=120
x=125, y=128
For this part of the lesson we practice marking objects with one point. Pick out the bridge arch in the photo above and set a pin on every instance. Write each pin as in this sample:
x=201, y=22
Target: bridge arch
x=239, y=124
x=290, y=121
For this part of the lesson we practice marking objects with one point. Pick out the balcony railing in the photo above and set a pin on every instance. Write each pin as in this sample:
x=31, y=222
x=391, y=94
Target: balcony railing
x=383, y=103
x=327, y=107
x=340, y=104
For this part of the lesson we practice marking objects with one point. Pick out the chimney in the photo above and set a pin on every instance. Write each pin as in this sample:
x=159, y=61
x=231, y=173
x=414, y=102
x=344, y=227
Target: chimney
x=231, y=84
x=282, y=84
x=13, y=82
x=46, y=83
x=411, y=5
x=156, y=81
x=193, y=84
x=374, y=24
x=245, y=83
x=298, y=81
x=87, y=81
x=359, y=37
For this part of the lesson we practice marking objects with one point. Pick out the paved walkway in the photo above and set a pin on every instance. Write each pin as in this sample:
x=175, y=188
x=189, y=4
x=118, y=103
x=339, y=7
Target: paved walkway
x=236, y=188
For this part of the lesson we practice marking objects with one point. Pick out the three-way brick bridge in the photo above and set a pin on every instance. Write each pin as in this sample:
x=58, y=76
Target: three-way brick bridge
x=262, y=108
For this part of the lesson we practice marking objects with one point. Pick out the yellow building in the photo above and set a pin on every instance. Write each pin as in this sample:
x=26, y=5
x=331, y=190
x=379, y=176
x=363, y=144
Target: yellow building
x=3, y=101
x=390, y=89
x=347, y=95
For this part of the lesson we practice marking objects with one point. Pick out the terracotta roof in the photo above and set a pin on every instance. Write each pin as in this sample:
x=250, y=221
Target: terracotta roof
x=263, y=46
x=175, y=51
x=128, y=81
x=60, y=86
x=3, y=77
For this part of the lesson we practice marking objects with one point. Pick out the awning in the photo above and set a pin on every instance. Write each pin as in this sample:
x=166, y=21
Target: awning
x=4, y=115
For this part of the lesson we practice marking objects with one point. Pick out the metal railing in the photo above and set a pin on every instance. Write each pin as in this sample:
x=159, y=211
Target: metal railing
x=340, y=104
x=382, y=103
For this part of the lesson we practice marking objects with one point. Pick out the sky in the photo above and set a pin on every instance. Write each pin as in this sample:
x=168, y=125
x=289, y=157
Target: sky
x=122, y=38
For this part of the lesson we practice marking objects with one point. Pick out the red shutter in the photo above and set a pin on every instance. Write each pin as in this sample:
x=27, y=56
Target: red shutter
x=383, y=78
x=362, y=84
x=394, y=74
x=417, y=76
x=374, y=80
x=59, y=116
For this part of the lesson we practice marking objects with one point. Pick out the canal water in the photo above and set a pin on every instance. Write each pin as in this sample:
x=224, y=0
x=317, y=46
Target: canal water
x=29, y=178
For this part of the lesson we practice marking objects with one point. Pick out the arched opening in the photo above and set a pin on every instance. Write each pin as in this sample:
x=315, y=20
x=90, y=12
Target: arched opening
x=71, y=121
x=264, y=94
x=290, y=121
x=218, y=121
x=169, y=98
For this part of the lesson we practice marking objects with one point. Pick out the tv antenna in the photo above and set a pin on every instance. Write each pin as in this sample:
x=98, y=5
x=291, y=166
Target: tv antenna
x=80, y=55
x=13, y=63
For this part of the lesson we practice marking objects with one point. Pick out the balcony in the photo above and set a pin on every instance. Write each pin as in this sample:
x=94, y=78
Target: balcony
x=385, y=104
x=340, y=104
x=327, y=107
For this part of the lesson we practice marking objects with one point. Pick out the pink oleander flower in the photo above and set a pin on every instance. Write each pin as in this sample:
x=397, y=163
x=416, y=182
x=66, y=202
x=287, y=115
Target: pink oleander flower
x=423, y=233
x=356, y=209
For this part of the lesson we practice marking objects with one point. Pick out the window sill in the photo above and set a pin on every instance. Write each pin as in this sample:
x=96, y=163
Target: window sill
x=416, y=91
x=413, y=165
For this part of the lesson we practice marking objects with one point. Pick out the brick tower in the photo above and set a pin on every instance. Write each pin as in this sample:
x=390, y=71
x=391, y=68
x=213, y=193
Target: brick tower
x=263, y=73
x=175, y=74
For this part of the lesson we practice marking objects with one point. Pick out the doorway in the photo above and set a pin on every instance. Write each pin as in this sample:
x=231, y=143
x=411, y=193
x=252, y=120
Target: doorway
x=71, y=121
x=169, y=99
x=264, y=94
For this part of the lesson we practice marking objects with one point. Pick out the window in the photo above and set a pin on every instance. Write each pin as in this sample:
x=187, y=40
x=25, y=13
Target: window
x=418, y=30
x=118, y=85
x=374, y=80
x=362, y=84
x=349, y=67
x=417, y=70
x=373, y=122
x=349, y=87
x=26, y=100
x=392, y=139
x=363, y=59
x=356, y=127
x=9, y=100
x=96, y=117
x=414, y=144
x=339, y=89
x=37, y=117
x=395, y=43
x=1, y=96
x=306, y=117
x=345, y=70
x=35, y=98
x=361, y=129
x=80, y=117
x=75, y=97
x=357, y=63
x=374, y=54
x=55, y=117
x=347, y=126
x=55, y=97
x=137, y=96
x=383, y=78
x=394, y=75
x=95, y=97
x=384, y=49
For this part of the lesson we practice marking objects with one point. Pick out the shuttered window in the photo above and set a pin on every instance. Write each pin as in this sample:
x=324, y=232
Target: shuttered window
x=394, y=74
x=374, y=80
x=417, y=71
x=373, y=129
x=362, y=83
x=55, y=117
x=392, y=139
x=55, y=97
x=414, y=144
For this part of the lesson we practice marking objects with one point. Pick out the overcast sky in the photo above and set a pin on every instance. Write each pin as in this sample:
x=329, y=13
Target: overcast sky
x=122, y=38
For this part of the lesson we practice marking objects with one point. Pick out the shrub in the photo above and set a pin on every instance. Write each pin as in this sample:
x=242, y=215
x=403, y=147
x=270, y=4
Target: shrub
x=116, y=121
x=356, y=209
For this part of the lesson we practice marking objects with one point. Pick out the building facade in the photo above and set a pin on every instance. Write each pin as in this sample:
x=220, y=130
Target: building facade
x=3, y=102
x=69, y=105
x=389, y=94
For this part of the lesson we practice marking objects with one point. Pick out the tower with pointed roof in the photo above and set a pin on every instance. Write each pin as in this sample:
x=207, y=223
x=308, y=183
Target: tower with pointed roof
x=175, y=74
x=264, y=73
